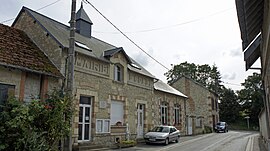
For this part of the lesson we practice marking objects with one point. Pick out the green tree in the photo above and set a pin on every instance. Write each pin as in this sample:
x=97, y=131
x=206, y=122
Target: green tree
x=251, y=97
x=204, y=74
x=229, y=106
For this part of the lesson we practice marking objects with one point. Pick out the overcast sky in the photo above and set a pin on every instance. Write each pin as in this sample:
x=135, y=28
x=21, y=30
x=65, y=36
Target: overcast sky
x=171, y=31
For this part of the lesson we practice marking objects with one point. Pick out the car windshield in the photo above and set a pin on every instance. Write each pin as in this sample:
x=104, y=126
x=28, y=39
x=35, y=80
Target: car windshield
x=221, y=123
x=161, y=129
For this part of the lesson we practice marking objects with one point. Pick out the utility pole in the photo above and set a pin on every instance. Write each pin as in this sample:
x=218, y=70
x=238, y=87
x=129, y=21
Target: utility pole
x=71, y=58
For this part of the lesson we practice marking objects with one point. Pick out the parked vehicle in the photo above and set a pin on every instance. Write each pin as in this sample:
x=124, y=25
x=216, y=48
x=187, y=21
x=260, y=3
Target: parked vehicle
x=162, y=134
x=221, y=127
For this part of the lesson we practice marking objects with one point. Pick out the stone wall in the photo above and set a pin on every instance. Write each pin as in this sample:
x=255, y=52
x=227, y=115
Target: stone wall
x=199, y=103
x=28, y=87
x=171, y=100
x=11, y=77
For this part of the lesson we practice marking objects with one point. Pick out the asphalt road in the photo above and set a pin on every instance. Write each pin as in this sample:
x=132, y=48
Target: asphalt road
x=231, y=141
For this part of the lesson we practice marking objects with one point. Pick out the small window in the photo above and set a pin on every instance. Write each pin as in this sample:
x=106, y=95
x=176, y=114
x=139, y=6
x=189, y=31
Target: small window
x=118, y=73
x=103, y=126
x=5, y=92
x=81, y=45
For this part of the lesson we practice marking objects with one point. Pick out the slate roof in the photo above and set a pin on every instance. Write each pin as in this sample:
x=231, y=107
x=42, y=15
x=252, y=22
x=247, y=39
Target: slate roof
x=60, y=32
x=161, y=86
x=81, y=14
x=18, y=51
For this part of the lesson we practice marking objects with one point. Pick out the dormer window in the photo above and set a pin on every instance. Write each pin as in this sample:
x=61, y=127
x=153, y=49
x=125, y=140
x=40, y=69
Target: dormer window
x=118, y=73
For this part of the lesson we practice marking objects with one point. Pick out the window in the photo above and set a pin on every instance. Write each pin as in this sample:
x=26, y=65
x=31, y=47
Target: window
x=199, y=122
x=118, y=73
x=164, y=114
x=103, y=126
x=176, y=115
x=6, y=91
x=213, y=103
x=172, y=130
x=117, y=112
x=82, y=45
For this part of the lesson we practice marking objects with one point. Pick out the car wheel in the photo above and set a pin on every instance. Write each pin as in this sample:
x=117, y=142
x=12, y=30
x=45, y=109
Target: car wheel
x=177, y=140
x=166, y=141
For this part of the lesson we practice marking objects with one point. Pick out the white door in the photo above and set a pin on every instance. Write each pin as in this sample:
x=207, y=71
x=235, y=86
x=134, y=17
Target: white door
x=85, y=119
x=140, y=118
x=189, y=126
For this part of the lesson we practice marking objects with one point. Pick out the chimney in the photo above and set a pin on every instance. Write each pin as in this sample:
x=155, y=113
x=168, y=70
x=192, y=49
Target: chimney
x=83, y=23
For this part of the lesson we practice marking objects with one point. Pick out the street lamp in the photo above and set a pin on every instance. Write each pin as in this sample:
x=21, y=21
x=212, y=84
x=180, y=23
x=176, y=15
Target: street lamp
x=247, y=117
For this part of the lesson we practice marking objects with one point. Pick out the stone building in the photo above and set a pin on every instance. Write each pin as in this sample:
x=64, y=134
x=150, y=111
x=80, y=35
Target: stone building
x=202, y=105
x=113, y=93
x=169, y=106
x=26, y=72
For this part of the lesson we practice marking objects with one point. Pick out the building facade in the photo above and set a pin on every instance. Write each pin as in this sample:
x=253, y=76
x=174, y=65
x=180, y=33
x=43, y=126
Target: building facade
x=202, y=106
x=169, y=106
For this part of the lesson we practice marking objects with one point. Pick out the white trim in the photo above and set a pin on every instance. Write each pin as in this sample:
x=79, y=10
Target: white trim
x=103, y=126
x=83, y=121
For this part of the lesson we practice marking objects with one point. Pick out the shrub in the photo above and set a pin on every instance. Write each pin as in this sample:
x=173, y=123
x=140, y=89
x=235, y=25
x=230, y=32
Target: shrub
x=38, y=125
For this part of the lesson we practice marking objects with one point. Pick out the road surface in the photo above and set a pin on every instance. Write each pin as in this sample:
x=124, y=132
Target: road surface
x=231, y=141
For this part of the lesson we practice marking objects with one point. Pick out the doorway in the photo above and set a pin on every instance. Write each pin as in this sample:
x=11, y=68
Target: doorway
x=140, y=118
x=85, y=119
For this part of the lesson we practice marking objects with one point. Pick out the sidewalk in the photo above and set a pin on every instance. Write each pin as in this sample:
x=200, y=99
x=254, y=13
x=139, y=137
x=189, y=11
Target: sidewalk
x=255, y=144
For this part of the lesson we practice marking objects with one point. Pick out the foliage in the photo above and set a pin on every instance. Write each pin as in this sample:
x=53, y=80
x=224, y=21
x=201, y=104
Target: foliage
x=39, y=125
x=128, y=142
x=251, y=97
x=204, y=74
x=207, y=129
x=229, y=106
x=241, y=124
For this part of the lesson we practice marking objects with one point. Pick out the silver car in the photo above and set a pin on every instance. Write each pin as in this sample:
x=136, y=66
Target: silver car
x=162, y=134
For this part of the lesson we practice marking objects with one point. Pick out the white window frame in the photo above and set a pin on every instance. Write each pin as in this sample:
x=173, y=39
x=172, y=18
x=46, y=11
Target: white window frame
x=177, y=115
x=164, y=121
x=119, y=118
x=103, y=126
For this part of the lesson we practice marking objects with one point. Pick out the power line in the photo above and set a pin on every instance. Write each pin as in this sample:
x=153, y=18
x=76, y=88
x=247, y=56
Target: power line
x=36, y=10
x=127, y=36
x=171, y=26
x=48, y=5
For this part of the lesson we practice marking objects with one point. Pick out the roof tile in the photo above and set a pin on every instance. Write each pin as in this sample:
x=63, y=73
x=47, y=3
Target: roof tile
x=17, y=50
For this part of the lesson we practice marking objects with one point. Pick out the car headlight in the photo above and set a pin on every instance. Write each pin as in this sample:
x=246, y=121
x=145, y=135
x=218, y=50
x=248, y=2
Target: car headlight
x=146, y=136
